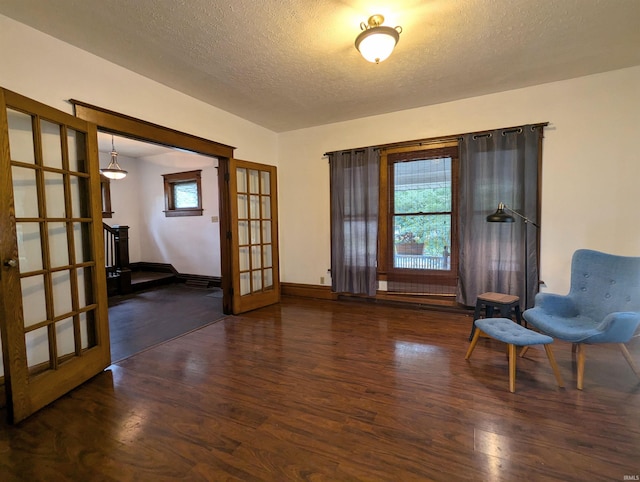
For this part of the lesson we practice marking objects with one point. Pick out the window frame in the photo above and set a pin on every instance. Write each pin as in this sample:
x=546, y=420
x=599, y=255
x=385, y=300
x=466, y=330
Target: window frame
x=105, y=195
x=386, y=241
x=170, y=180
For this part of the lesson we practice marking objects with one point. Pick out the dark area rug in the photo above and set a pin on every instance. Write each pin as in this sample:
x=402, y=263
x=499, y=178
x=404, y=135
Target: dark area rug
x=141, y=320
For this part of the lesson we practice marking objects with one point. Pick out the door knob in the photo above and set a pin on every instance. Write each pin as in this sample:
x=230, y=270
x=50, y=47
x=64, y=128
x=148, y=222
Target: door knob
x=11, y=263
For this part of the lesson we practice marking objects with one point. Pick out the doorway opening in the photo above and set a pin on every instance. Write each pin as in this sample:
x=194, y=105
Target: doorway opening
x=174, y=262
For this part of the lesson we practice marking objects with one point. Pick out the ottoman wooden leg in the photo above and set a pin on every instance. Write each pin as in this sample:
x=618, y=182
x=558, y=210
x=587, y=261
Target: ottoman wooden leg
x=474, y=341
x=554, y=365
x=581, y=356
x=512, y=368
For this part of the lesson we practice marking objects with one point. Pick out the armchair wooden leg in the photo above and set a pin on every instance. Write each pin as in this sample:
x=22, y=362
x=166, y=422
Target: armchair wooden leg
x=554, y=365
x=581, y=356
x=627, y=357
x=512, y=368
x=476, y=336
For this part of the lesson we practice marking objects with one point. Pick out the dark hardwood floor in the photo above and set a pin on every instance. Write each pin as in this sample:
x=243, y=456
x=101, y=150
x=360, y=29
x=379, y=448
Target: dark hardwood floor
x=143, y=319
x=320, y=390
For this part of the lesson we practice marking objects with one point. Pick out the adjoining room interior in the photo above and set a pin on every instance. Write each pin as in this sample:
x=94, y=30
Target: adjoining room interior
x=150, y=311
x=366, y=204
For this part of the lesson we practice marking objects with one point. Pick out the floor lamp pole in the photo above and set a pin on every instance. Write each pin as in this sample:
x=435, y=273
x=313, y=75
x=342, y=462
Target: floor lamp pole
x=500, y=216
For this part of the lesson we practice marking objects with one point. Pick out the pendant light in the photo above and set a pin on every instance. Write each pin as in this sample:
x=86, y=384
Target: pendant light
x=113, y=170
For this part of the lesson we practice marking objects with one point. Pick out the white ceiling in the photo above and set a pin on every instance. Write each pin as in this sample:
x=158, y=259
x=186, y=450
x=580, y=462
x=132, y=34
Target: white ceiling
x=289, y=64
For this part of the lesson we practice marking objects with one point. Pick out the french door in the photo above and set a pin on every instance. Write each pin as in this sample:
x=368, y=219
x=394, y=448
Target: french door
x=53, y=307
x=254, y=235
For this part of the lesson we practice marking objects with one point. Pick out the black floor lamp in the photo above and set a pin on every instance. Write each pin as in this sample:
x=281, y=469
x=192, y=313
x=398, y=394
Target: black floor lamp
x=500, y=216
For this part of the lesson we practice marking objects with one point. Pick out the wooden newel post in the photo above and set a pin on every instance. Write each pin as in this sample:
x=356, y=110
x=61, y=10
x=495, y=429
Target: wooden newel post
x=122, y=258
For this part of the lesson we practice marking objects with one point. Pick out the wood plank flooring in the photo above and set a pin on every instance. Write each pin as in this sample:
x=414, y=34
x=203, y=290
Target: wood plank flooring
x=140, y=320
x=321, y=390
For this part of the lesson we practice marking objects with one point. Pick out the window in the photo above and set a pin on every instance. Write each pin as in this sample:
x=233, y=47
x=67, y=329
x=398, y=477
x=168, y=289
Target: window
x=420, y=213
x=183, y=194
x=105, y=193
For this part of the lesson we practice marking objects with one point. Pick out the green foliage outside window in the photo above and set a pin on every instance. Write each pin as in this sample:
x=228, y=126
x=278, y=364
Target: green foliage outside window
x=434, y=230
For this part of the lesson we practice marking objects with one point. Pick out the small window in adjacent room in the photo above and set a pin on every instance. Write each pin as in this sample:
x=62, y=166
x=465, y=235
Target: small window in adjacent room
x=182, y=194
x=105, y=193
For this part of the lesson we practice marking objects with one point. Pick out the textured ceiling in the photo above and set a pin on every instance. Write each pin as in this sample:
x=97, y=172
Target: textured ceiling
x=287, y=64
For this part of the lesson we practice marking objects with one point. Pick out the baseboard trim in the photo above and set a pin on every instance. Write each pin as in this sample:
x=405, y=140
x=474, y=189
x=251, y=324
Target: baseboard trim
x=159, y=267
x=308, y=291
x=200, y=280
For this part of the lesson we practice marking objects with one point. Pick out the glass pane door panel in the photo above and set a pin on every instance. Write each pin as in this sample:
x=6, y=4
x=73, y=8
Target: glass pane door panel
x=255, y=232
x=255, y=207
x=265, y=185
x=82, y=299
x=29, y=246
x=34, y=303
x=65, y=338
x=54, y=194
x=254, y=182
x=51, y=146
x=79, y=199
x=25, y=192
x=243, y=206
x=243, y=232
x=84, y=330
x=37, y=347
x=58, y=246
x=266, y=231
x=88, y=329
x=267, y=257
x=85, y=287
x=256, y=259
x=61, y=282
x=268, y=279
x=257, y=280
x=244, y=258
x=21, y=137
x=82, y=242
x=266, y=207
x=77, y=150
x=241, y=175
x=245, y=284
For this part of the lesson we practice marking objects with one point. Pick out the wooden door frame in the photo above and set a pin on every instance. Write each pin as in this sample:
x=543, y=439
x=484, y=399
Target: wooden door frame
x=138, y=129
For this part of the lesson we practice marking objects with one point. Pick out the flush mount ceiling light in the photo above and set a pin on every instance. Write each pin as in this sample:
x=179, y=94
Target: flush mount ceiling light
x=113, y=170
x=376, y=42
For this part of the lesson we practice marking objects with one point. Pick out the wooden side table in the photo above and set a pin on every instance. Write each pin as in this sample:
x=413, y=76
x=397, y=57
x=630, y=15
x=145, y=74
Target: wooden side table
x=508, y=305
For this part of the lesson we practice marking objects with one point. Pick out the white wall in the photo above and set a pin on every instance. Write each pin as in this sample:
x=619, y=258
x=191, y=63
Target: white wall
x=591, y=167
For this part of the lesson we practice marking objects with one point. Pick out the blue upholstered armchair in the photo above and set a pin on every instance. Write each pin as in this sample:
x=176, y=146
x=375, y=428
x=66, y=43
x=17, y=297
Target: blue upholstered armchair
x=603, y=305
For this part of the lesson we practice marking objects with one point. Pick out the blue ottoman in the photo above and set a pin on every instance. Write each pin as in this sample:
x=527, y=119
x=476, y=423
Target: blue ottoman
x=505, y=330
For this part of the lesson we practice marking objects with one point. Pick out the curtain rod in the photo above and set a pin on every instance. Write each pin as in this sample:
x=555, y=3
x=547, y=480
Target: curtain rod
x=437, y=140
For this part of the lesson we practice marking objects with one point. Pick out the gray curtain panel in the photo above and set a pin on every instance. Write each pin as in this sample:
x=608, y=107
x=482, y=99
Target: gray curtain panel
x=498, y=166
x=354, y=220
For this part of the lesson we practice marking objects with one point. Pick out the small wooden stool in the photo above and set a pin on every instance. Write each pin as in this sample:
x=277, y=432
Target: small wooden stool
x=490, y=301
x=506, y=330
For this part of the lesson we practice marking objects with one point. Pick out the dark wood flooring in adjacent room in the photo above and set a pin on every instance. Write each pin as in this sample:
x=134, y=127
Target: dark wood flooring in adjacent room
x=332, y=391
x=144, y=319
